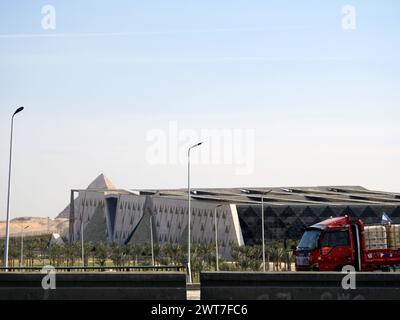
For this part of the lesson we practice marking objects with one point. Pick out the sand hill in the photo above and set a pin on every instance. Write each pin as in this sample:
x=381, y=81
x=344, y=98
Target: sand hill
x=36, y=226
x=59, y=225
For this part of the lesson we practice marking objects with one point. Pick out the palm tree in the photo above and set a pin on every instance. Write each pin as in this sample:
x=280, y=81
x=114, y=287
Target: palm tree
x=203, y=258
x=239, y=255
x=117, y=254
x=2, y=251
x=173, y=253
x=29, y=252
x=14, y=252
x=101, y=253
x=72, y=252
x=92, y=253
x=167, y=251
x=88, y=249
x=41, y=245
x=135, y=251
x=277, y=254
x=247, y=257
x=56, y=254
x=157, y=251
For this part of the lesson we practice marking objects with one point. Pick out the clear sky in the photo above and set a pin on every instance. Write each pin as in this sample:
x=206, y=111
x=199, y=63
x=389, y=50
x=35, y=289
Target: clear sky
x=315, y=103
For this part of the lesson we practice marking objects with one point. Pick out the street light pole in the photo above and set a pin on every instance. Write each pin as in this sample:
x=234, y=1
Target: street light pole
x=216, y=237
x=22, y=246
x=8, y=191
x=152, y=240
x=189, y=213
x=263, y=237
x=82, y=239
x=82, y=245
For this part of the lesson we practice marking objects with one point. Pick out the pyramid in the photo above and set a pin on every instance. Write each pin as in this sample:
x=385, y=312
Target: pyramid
x=101, y=182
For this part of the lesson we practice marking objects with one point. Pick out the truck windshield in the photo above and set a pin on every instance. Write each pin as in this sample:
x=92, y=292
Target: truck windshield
x=309, y=240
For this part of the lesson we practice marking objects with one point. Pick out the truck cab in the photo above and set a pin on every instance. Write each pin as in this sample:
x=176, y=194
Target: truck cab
x=329, y=245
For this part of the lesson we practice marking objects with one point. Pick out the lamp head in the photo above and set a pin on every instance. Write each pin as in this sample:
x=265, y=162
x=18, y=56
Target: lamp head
x=18, y=110
x=196, y=145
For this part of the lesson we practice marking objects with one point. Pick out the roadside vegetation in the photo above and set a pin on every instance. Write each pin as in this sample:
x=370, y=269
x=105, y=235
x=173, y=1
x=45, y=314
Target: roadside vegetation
x=38, y=252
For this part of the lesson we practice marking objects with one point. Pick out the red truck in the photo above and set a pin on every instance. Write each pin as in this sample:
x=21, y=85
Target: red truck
x=333, y=243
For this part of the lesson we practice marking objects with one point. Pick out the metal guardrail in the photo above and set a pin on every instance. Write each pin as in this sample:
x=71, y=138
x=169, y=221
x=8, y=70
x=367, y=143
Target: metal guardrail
x=298, y=286
x=98, y=269
x=93, y=286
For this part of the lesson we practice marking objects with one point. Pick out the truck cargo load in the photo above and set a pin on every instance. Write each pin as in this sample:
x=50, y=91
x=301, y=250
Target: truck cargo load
x=375, y=237
x=393, y=236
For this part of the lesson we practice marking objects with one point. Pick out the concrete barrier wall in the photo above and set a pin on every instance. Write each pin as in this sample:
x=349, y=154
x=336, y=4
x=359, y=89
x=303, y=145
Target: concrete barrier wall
x=93, y=286
x=297, y=286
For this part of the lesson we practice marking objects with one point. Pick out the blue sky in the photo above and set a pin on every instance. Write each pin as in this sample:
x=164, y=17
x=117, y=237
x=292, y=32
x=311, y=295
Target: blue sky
x=323, y=101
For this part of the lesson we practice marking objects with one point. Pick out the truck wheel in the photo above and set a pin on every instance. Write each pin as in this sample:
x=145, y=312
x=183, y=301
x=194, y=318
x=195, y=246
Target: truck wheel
x=314, y=268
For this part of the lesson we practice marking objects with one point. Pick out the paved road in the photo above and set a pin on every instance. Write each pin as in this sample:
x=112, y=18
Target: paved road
x=193, y=291
x=193, y=294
